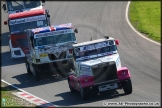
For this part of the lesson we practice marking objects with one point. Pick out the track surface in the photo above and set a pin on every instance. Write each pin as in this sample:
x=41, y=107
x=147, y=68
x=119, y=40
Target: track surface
x=93, y=19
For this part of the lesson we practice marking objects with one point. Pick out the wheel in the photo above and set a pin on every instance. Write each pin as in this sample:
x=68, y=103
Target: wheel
x=27, y=67
x=128, y=87
x=71, y=88
x=10, y=52
x=36, y=75
x=84, y=93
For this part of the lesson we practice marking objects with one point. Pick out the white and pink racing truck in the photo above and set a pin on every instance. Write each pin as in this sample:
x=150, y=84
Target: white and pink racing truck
x=16, y=6
x=97, y=68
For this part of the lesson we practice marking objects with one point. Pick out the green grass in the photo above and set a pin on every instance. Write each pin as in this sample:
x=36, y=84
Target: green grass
x=5, y=94
x=145, y=16
x=9, y=99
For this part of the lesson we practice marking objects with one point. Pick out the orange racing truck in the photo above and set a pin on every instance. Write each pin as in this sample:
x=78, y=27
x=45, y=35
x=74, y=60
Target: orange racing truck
x=18, y=24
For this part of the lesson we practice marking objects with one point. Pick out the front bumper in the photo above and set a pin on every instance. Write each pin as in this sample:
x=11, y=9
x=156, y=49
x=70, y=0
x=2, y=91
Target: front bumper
x=95, y=87
x=41, y=68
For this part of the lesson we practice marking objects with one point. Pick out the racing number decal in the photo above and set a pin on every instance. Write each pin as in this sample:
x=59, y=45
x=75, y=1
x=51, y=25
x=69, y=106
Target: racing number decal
x=39, y=23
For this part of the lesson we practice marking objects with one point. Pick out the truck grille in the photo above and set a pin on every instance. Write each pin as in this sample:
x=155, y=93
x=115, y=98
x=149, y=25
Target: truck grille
x=105, y=73
x=61, y=56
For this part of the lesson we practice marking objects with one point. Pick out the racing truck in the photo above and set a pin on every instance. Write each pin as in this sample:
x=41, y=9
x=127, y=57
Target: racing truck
x=97, y=68
x=18, y=24
x=48, y=45
x=22, y=5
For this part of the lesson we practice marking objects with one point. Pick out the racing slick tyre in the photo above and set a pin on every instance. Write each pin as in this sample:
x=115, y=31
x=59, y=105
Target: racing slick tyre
x=84, y=93
x=128, y=87
x=71, y=88
x=36, y=75
x=27, y=67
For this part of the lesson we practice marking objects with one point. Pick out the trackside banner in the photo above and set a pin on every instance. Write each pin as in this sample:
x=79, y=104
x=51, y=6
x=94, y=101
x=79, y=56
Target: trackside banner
x=53, y=33
x=29, y=19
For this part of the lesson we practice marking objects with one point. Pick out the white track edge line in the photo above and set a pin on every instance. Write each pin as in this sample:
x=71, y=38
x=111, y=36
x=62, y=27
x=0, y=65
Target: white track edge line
x=126, y=15
x=25, y=91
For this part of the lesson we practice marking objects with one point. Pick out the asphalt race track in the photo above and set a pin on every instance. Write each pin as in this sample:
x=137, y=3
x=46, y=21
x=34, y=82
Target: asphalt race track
x=93, y=19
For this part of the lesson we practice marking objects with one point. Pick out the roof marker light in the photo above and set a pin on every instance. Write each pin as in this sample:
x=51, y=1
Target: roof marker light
x=5, y=22
x=117, y=42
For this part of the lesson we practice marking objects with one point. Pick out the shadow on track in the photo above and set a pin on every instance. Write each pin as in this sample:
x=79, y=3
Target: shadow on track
x=27, y=80
x=7, y=60
x=4, y=39
x=76, y=99
x=6, y=56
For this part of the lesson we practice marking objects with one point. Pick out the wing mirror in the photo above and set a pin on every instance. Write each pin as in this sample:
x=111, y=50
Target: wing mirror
x=76, y=30
x=4, y=7
x=47, y=11
x=43, y=2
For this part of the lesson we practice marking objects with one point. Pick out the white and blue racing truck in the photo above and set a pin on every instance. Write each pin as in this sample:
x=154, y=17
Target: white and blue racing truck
x=48, y=45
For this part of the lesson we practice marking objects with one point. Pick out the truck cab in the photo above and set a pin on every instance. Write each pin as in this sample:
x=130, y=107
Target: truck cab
x=22, y=5
x=48, y=45
x=97, y=68
x=18, y=24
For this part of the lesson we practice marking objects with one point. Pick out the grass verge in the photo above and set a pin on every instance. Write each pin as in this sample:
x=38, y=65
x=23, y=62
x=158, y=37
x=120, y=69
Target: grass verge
x=145, y=16
x=10, y=100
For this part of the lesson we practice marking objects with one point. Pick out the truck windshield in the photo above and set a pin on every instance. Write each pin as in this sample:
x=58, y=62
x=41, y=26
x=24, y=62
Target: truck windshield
x=24, y=4
x=100, y=51
x=69, y=37
x=17, y=26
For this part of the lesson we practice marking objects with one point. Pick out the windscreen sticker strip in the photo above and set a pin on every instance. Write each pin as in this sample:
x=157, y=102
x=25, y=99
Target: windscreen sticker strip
x=94, y=46
x=29, y=19
x=53, y=33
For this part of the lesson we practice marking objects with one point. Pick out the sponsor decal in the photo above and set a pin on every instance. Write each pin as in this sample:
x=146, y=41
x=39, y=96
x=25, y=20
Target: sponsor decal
x=95, y=46
x=68, y=25
x=83, y=58
x=106, y=53
x=88, y=47
x=52, y=50
x=43, y=55
x=29, y=19
x=37, y=30
x=57, y=54
x=85, y=70
x=104, y=44
x=100, y=45
x=53, y=33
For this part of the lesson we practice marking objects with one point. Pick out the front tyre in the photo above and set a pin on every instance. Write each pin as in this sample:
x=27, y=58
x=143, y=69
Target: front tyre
x=128, y=87
x=84, y=93
x=71, y=88
x=36, y=74
x=27, y=66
